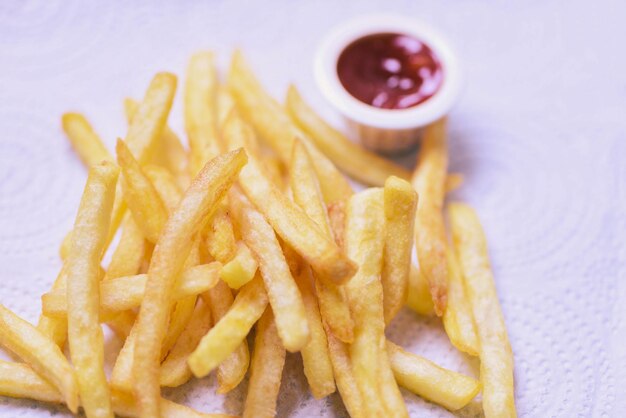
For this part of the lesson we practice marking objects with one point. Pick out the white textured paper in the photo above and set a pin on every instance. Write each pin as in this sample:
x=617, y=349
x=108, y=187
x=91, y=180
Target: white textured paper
x=540, y=136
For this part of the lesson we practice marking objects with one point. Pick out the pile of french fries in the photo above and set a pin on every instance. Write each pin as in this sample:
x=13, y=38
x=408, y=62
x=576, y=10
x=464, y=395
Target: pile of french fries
x=254, y=227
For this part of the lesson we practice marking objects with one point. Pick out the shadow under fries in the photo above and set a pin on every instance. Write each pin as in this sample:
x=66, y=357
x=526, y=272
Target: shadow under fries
x=426, y=337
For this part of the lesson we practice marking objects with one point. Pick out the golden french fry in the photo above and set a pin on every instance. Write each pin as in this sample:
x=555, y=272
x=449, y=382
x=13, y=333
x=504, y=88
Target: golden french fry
x=318, y=368
x=283, y=293
x=454, y=181
x=220, y=238
x=496, y=357
x=449, y=389
x=364, y=240
x=55, y=328
x=274, y=125
x=128, y=256
x=20, y=381
x=400, y=205
x=200, y=109
x=83, y=276
x=122, y=374
x=168, y=150
x=458, y=319
x=356, y=161
x=127, y=292
x=165, y=184
x=40, y=352
x=344, y=375
x=85, y=141
x=142, y=198
x=306, y=193
x=225, y=104
x=419, y=298
x=241, y=269
x=169, y=255
x=230, y=331
x=232, y=370
x=289, y=221
x=429, y=180
x=266, y=370
x=174, y=370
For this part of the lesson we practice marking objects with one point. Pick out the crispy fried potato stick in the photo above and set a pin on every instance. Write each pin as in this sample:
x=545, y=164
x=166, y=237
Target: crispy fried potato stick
x=289, y=221
x=449, y=389
x=122, y=374
x=429, y=180
x=419, y=298
x=318, y=368
x=165, y=184
x=200, y=102
x=283, y=293
x=400, y=205
x=55, y=328
x=364, y=235
x=83, y=276
x=174, y=370
x=40, y=352
x=356, y=161
x=127, y=292
x=225, y=104
x=272, y=122
x=168, y=258
x=220, y=238
x=241, y=269
x=128, y=256
x=84, y=139
x=454, y=181
x=496, y=357
x=266, y=370
x=232, y=370
x=458, y=319
x=169, y=151
x=20, y=381
x=230, y=331
x=142, y=198
x=306, y=193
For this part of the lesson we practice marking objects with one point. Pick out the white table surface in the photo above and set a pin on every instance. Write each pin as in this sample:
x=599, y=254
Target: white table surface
x=540, y=135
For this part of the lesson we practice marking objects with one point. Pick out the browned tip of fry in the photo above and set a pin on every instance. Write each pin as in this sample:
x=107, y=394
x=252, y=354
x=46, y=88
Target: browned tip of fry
x=338, y=267
x=440, y=298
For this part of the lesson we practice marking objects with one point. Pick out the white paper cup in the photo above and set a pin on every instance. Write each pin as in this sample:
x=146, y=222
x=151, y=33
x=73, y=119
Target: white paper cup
x=386, y=130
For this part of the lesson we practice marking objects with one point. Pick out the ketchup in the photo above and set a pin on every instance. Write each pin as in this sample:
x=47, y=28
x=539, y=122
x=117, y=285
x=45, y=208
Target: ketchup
x=390, y=71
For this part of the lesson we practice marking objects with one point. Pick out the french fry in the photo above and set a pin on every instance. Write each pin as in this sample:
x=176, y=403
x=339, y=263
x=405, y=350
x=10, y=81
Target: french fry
x=84, y=140
x=307, y=195
x=220, y=237
x=55, y=328
x=337, y=217
x=232, y=370
x=225, y=104
x=168, y=258
x=458, y=320
x=344, y=375
x=230, y=331
x=122, y=374
x=283, y=293
x=169, y=152
x=241, y=269
x=83, y=276
x=424, y=378
x=400, y=205
x=364, y=237
x=165, y=184
x=318, y=368
x=429, y=180
x=40, y=352
x=200, y=115
x=127, y=292
x=274, y=125
x=144, y=202
x=128, y=256
x=496, y=357
x=356, y=161
x=419, y=298
x=20, y=381
x=174, y=370
x=266, y=370
x=289, y=221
